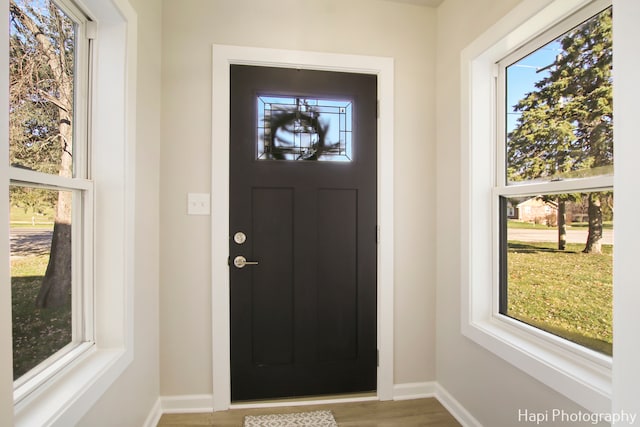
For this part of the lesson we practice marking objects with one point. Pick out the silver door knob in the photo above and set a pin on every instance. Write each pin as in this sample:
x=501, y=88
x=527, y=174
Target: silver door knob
x=241, y=261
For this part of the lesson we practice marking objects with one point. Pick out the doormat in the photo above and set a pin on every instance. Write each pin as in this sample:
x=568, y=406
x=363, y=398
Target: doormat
x=298, y=419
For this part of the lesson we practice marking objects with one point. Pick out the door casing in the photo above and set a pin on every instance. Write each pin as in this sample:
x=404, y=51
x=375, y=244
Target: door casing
x=223, y=57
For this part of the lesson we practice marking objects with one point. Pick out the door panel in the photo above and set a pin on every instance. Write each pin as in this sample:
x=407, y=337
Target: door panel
x=337, y=272
x=273, y=317
x=303, y=319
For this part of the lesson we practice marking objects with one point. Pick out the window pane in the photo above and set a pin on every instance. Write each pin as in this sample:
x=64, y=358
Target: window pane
x=297, y=128
x=559, y=112
x=40, y=274
x=557, y=265
x=42, y=45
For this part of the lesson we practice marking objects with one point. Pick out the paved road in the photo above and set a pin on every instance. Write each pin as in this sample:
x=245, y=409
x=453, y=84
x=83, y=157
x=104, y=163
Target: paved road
x=551, y=235
x=35, y=241
x=30, y=241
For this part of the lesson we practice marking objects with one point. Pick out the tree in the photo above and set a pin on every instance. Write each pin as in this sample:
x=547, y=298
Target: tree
x=41, y=114
x=566, y=125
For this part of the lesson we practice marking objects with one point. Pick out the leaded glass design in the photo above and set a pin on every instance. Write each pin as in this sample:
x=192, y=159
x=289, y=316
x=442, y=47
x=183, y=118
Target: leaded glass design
x=299, y=128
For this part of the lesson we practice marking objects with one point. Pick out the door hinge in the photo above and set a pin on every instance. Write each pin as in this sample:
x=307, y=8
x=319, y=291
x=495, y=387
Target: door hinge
x=91, y=29
x=377, y=234
x=378, y=358
x=378, y=108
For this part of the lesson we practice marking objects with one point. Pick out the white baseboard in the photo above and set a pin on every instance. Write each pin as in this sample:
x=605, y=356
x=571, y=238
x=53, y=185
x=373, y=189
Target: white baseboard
x=187, y=404
x=428, y=389
x=458, y=411
x=411, y=391
x=154, y=416
x=204, y=402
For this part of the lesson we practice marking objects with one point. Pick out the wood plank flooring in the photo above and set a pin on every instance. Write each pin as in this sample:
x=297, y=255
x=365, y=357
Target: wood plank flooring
x=405, y=413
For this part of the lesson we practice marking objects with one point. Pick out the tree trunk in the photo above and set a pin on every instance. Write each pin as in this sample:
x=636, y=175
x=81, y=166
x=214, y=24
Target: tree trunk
x=55, y=289
x=562, y=225
x=594, y=245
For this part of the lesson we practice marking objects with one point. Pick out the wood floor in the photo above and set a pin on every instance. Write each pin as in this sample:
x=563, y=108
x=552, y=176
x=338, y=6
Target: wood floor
x=405, y=413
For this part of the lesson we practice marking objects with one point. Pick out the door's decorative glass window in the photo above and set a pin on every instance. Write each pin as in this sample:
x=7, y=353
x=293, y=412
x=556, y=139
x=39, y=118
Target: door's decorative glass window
x=299, y=128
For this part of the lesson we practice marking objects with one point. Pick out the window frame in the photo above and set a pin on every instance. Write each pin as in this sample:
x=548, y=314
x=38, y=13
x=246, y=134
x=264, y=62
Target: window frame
x=581, y=374
x=533, y=188
x=81, y=187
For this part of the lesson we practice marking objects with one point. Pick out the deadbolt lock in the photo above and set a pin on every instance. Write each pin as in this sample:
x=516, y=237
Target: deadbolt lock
x=239, y=237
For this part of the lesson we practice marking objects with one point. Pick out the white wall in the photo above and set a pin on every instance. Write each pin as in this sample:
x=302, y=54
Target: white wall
x=367, y=27
x=626, y=273
x=489, y=388
x=130, y=399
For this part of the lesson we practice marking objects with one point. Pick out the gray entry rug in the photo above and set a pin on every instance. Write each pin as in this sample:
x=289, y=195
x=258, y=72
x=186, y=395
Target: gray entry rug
x=301, y=419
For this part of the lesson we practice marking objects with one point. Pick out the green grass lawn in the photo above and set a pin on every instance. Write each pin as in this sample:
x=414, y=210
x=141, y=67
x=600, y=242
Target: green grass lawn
x=567, y=293
x=524, y=224
x=37, y=333
x=21, y=218
x=608, y=225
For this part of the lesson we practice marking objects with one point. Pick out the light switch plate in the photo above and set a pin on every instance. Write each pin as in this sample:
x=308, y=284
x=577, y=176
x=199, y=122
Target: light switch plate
x=198, y=204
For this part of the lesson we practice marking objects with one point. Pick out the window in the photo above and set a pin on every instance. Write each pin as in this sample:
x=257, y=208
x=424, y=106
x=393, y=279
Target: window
x=51, y=195
x=557, y=260
x=98, y=345
x=514, y=184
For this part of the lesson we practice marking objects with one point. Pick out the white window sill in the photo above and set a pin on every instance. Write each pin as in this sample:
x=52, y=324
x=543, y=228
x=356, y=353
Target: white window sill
x=570, y=369
x=64, y=399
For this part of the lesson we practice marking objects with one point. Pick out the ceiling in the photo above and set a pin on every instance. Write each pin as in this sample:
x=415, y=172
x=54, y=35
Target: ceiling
x=430, y=3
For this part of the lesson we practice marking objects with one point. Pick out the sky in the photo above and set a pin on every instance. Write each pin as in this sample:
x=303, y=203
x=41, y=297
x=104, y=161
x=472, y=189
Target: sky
x=524, y=74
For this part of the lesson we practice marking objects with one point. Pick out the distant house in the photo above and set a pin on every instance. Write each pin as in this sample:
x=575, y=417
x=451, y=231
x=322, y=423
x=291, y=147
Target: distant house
x=536, y=210
x=511, y=210
x=512, y=207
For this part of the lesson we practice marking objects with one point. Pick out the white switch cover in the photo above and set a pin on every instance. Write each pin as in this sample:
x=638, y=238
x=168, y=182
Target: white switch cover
x=198, y=203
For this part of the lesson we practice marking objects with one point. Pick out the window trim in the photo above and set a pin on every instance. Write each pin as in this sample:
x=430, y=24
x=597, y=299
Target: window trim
x=578, y=373
x=69, y=394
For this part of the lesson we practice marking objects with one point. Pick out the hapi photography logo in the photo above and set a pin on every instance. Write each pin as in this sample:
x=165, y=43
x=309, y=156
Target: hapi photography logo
x=562, y=416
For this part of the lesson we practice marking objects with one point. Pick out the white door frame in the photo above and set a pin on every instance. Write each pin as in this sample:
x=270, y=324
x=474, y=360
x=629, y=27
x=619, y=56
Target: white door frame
x=223, y=57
